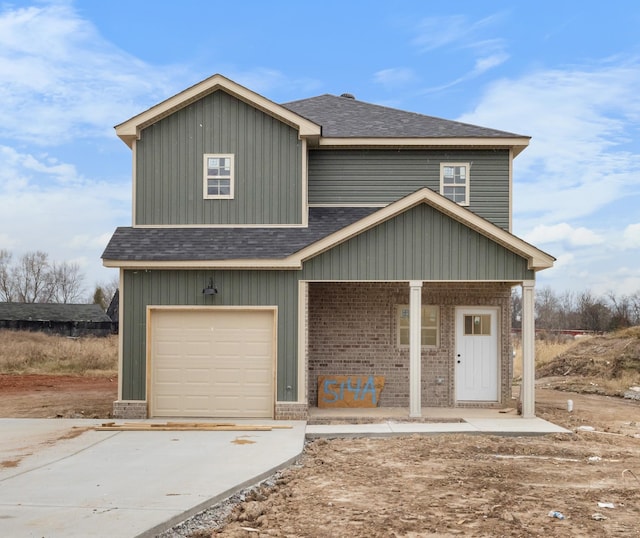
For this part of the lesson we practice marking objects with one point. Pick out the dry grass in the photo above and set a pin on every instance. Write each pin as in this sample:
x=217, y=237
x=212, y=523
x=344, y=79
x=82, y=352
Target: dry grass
x=23, y=352
x=608, y=364
x=546, y=351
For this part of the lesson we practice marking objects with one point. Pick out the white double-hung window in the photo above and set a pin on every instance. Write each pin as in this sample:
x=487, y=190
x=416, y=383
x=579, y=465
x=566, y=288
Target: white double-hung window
x=218, y=175
x=454, y=182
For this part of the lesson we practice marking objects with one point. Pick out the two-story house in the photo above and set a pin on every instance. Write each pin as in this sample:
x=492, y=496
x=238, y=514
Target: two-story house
x=275, y=243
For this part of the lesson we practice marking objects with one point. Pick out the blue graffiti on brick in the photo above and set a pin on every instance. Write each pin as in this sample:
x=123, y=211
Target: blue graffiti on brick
x=332, y=391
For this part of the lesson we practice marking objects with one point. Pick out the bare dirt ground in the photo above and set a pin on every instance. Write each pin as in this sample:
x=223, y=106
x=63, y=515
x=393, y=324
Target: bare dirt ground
x=469, y=485
x=444, y=485
x=56, y=396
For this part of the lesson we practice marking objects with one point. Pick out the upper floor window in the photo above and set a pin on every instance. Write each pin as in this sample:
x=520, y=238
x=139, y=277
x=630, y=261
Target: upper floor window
x=430, y=333
x=218, y=175
x=454, y=182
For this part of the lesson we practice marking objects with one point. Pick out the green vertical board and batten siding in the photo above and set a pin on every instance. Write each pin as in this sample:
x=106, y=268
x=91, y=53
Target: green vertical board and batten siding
x=236, y=288
x=386, y=175
x=169, y=166
x=419, y=244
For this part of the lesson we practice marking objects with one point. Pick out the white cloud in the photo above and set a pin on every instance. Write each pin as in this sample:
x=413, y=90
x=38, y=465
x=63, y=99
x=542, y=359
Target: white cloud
x=563, y=233
x=489, y=62
x=462, y=35
x=265, y=81
x=54, y=209
x=58, y=75
x=394, y=76
x=436, y=32
x=631, y=236
x=583, y=122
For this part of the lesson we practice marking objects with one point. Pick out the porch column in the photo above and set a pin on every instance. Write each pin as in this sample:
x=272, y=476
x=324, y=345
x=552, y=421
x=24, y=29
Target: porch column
x=527, y=391
x=415, y=345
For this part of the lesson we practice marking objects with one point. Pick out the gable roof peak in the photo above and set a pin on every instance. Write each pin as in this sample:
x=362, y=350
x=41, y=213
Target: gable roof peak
x=130, y=130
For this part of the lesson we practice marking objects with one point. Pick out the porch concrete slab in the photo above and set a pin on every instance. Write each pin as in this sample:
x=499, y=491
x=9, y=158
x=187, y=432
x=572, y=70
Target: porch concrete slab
x=61, y=478
x=501, y=426
x=518, y=425
x=439, y=427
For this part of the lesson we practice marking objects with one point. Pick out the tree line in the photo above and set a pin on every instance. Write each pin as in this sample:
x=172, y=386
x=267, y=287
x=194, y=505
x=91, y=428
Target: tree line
x=581, y=311
x=32, y=278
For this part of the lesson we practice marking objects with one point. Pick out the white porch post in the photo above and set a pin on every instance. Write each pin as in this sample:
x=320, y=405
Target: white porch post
x=527, y=394
x=415, y=345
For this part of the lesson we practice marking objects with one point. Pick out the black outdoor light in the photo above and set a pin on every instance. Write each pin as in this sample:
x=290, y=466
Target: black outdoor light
x=210, y=289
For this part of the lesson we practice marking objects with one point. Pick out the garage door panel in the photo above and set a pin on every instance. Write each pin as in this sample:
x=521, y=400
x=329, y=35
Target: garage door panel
x=197, y=376
x=168, y=375
x=257, y=377
x=216, y=363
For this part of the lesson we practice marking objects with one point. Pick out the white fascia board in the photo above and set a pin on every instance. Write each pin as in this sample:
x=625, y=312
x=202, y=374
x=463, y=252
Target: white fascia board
x=130, y=129
x=243, y=264
x=518, y=144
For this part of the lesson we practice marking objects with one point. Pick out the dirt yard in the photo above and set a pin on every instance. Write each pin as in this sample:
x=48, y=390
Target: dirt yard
x=470, y=485
x=445, y=485
x=56, y=396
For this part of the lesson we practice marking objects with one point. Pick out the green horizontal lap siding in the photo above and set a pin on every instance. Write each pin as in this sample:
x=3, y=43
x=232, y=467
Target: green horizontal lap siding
x=384, y=176
x=420, y=244
x=248, y=288
x=169, y=166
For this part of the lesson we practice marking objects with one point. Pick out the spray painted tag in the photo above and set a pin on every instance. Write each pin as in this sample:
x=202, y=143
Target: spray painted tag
x=349, y=391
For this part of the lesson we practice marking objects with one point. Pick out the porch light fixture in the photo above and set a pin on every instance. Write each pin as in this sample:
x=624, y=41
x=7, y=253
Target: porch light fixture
x=210, y=289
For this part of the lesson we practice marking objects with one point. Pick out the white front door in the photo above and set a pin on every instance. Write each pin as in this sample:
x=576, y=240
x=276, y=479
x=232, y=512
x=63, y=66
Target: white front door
x=476, y=354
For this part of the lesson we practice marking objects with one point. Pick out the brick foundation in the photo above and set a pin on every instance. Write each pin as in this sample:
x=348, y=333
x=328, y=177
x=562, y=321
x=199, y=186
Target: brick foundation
x=129, y=409
x=352, y=330
x=291, y=411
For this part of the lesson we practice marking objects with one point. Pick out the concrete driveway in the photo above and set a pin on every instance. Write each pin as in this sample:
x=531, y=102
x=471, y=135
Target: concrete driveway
x=61, y=478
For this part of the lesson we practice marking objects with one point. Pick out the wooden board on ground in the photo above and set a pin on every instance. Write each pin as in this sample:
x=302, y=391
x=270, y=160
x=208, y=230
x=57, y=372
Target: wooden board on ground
x=187, y=426
x=349, y=390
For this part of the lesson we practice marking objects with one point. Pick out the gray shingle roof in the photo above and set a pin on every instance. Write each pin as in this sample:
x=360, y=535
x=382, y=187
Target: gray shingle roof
x=202, y=244
x=51, y=312
x=343, y=117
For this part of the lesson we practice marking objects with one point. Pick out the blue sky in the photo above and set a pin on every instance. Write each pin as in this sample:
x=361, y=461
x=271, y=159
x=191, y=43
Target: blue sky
x=565, y=73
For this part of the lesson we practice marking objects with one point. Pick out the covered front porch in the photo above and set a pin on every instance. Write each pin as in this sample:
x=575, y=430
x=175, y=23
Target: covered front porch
x=377, y=329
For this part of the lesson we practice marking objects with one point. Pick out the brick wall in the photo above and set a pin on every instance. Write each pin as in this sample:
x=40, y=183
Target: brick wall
x=352, y=330
x=129, y=409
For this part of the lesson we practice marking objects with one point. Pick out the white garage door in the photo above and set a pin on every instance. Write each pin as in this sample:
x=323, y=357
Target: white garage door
x=212, y=363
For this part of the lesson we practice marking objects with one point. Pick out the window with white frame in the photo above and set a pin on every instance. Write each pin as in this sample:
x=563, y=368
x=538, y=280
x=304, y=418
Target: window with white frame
x=454, y=182
x=430, y=330
x=218, y=175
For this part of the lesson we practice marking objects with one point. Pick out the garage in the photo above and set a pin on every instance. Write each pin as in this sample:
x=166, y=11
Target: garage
x=211, y=362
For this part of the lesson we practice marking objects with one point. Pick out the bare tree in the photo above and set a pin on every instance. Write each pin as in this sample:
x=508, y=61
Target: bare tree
x=594, y=313
x=516, y=308
x=547, y=309
x=635, y=308
x=66, y=283
x=7, y=287
x=32, y=278
x=620, y=308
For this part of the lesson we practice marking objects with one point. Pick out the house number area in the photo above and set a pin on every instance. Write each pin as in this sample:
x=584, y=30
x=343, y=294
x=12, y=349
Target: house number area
x=349, y=391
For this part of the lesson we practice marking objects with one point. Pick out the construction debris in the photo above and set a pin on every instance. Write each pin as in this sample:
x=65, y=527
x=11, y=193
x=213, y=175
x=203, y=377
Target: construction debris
x=187, y=426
